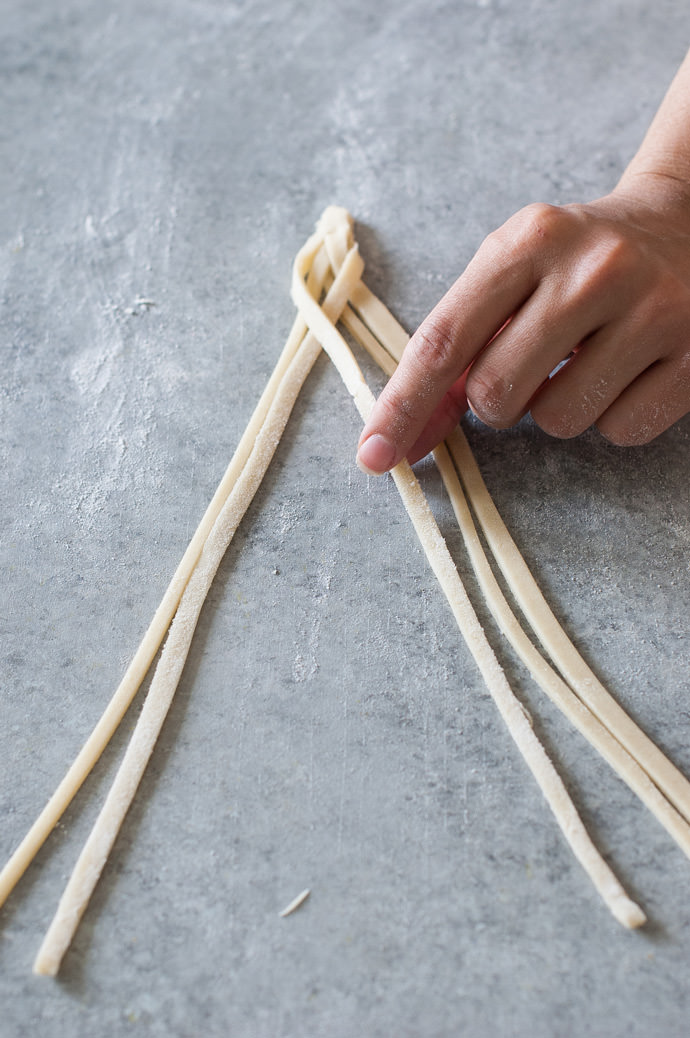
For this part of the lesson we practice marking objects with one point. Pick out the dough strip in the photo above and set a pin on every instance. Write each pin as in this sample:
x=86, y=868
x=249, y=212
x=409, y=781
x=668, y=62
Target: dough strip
x=169, y=669
x=99, y=738
x=541, y=618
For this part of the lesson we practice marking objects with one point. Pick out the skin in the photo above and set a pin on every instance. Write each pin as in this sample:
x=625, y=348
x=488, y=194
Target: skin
x=599, y=291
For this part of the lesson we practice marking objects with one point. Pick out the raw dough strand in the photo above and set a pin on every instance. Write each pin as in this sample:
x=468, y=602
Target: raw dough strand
x=514, y=715
x=516, y=718
x=160, y=694
x=624, y=763
x=626, y=766
x=574, y=669
x=157, y=703
x=139, y=666
x=576, y=672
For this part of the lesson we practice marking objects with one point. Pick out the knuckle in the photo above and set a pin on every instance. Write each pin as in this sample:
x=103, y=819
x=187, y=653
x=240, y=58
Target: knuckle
x=487, y=393
x=540, y=221
x=529, y=232
x=435, y=346
x=495, y=242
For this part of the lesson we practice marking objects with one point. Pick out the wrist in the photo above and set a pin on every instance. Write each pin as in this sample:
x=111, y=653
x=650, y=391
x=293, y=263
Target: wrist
x=654, y=192
x=659, y=173
x=658, y=184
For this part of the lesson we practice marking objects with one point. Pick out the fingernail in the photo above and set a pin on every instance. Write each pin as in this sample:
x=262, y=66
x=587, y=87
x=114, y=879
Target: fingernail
x=376, y=455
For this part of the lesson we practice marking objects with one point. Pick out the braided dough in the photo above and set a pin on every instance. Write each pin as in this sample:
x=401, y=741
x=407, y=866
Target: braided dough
x=329, y=266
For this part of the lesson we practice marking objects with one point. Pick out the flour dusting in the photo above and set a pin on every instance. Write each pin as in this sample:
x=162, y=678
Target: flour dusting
x=307, y=636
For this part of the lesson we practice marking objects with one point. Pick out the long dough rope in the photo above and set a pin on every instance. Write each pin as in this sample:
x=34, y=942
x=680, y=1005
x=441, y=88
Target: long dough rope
x=626, y=756
x=95, y=852
x=431, y=539
x=384, y=331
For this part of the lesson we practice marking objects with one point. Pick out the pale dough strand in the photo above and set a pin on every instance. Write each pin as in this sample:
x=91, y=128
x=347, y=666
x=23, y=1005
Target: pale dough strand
x=574, y=669
x=358, y=329
x=576, y=672
x=138, y=668
x=97, y=847
x=516, y=718
x=388, y=331
x=514, y=715
x=626, y=766
x=169, y=669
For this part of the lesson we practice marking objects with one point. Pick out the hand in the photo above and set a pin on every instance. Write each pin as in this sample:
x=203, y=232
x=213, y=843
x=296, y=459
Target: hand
x=579, y=314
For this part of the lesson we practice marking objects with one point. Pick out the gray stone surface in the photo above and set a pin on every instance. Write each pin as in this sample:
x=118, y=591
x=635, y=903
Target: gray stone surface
x=330, y=729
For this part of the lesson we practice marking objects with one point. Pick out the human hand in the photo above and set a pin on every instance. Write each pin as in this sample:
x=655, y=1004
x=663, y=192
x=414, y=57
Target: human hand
x=601, y=289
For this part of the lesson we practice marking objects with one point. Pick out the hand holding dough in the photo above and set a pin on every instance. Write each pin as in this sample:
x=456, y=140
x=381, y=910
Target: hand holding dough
x=579, y=314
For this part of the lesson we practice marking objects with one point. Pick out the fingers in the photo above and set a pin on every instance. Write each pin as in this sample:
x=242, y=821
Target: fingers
x=506, y=376
x=579, y=314
x=588, y=383
x=443, y=420
x=586, y=299
x=631, y=377
x=499, y=279
x=650, y=405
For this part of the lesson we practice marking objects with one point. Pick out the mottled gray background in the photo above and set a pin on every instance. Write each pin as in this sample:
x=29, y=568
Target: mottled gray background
x=330, y=729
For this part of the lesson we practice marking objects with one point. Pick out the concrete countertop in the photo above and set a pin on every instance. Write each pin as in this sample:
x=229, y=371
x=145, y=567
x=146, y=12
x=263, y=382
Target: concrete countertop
x=331, y=730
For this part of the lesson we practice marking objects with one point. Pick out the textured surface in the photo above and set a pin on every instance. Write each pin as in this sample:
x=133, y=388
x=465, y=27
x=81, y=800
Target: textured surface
x=330, y=730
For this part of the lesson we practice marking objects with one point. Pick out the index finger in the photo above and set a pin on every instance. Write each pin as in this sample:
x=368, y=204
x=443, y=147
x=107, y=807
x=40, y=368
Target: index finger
x=496, y=282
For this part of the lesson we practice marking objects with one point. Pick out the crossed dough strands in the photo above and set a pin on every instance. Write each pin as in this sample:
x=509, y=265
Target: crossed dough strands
x=95, y=853
x=196, y=572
